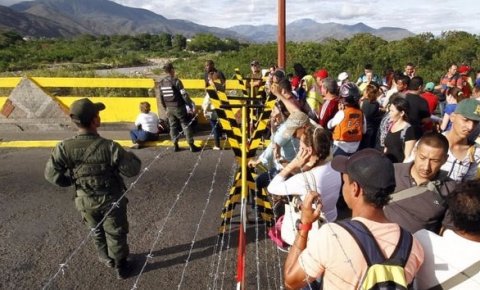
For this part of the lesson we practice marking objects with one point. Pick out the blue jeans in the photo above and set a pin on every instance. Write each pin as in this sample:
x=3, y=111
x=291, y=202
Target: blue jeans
x=139, y=135
x=217, y=131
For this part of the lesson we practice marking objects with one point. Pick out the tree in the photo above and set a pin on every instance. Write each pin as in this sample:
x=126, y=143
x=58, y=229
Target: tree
x=179, y=42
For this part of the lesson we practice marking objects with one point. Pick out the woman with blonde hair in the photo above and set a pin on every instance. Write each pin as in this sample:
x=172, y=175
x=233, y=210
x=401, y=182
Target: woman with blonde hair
x=146, y=126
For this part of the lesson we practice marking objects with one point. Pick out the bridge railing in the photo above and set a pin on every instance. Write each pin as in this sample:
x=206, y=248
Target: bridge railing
x=119, y=109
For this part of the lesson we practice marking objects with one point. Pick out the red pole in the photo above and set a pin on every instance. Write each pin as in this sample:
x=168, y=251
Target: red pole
x=281, y=34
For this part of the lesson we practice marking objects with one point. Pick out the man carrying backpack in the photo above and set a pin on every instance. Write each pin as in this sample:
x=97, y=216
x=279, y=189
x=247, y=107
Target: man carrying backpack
x=175, y=100
x=335, y=253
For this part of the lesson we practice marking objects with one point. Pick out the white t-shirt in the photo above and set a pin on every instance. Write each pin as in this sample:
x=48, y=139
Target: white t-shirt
x=446, y=256
x=328, y=183
x=149, y=122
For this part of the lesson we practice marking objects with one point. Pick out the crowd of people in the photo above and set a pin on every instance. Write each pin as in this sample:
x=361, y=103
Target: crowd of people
x=399, y=153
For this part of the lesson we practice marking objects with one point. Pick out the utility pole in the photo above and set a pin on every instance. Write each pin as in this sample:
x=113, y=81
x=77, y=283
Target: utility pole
x=281, y=34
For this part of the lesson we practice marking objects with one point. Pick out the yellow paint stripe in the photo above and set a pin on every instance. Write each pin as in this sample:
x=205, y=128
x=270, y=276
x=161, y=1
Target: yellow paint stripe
x=94, y=82
x=125, y=143
x=9, y=82
x=147, y=83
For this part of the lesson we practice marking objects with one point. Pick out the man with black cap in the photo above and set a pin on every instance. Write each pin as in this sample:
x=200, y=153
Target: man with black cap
x=332, y=252
x=175, y=100
x=93, y=165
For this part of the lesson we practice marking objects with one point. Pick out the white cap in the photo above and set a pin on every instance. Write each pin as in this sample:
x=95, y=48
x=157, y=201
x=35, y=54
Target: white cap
x=343, y=76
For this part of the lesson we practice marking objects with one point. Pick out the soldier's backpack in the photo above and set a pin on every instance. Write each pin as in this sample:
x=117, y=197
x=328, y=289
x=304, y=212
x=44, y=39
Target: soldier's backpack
x=382, y=273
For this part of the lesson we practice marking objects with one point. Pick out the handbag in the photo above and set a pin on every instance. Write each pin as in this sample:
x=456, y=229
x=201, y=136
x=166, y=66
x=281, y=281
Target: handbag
x=292, y=213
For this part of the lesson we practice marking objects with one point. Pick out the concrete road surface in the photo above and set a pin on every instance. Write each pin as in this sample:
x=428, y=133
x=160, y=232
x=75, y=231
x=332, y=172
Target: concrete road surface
x=174, y=212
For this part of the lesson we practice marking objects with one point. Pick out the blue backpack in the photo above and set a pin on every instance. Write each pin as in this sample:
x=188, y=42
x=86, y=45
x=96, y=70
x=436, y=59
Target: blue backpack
x=382, y=273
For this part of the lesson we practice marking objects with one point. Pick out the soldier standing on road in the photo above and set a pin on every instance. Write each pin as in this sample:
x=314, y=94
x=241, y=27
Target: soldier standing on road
x=93, y=165
x=174, y=100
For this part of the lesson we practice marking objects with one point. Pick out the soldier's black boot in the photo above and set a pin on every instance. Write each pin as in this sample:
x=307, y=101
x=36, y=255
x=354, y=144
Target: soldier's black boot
x=175, y=147
x=194, y=148
x=123, y=269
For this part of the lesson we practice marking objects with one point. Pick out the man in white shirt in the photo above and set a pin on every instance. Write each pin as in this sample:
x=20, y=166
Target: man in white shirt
x=452, y=261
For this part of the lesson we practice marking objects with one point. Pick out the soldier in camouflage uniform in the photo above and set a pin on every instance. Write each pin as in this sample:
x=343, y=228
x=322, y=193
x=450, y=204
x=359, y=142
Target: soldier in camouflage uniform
x=174, y=99
x=93, y=165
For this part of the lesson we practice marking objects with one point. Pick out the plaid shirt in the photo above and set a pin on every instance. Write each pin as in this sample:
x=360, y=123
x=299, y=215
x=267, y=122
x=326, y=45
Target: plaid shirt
x=466, y=169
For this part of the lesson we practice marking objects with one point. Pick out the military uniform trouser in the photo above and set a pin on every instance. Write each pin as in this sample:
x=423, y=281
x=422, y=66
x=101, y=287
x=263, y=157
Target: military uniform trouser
x=177, y=117
x=110, y=237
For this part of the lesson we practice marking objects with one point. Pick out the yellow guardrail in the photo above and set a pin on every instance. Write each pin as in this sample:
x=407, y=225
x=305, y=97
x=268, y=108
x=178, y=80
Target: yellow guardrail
x=137, y=83
x=118, y=109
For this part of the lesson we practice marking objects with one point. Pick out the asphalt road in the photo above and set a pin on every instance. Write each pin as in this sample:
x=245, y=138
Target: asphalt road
x=174, y=213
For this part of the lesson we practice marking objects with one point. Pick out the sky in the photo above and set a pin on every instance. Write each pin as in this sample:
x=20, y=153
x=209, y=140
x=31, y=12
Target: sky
x=415, y=15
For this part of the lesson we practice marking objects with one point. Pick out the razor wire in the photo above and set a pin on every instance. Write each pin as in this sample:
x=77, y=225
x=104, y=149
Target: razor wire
x=63, y=266
x=169, y=213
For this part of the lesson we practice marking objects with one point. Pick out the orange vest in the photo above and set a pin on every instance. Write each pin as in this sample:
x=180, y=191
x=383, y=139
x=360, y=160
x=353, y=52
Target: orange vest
x=351, y=127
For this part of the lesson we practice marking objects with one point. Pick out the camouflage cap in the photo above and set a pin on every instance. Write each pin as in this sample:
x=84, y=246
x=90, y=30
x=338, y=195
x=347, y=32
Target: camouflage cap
x=83, y=111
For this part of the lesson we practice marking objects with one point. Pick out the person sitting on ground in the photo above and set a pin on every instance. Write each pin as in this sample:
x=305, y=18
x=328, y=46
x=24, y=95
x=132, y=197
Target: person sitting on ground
x=400, y=139
x=349, y=123
x=418, y=201
x=452, y=261
x=146, y=126
x=332, y=253
x=310, y=170
x=463, y=157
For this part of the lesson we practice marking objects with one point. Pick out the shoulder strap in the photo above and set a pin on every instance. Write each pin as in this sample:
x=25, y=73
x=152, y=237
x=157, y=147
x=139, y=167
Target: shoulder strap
x=365, y=241
x=471, y=153
x=408, y=192
x=90, y=149
x=370, y=247
x=459, y=277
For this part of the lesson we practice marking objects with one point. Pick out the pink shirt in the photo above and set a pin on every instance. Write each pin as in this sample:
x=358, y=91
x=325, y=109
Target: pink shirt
x=333, y=253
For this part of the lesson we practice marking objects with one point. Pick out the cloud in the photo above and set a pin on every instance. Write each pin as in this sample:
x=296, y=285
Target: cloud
x=349, y=11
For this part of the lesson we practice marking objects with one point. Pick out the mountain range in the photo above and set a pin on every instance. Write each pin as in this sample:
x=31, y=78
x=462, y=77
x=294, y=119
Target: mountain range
x=68, y=18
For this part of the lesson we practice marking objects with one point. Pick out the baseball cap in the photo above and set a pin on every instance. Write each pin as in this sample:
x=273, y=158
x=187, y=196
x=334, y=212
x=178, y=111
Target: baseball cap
x=349, y=90
x=370, y=168
x=84, y=110
x=469, y=108
x=254, y=62
x=342, y=76
x=464, y=69
x=296, y=120
x=322, y=73
x=430, y=86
